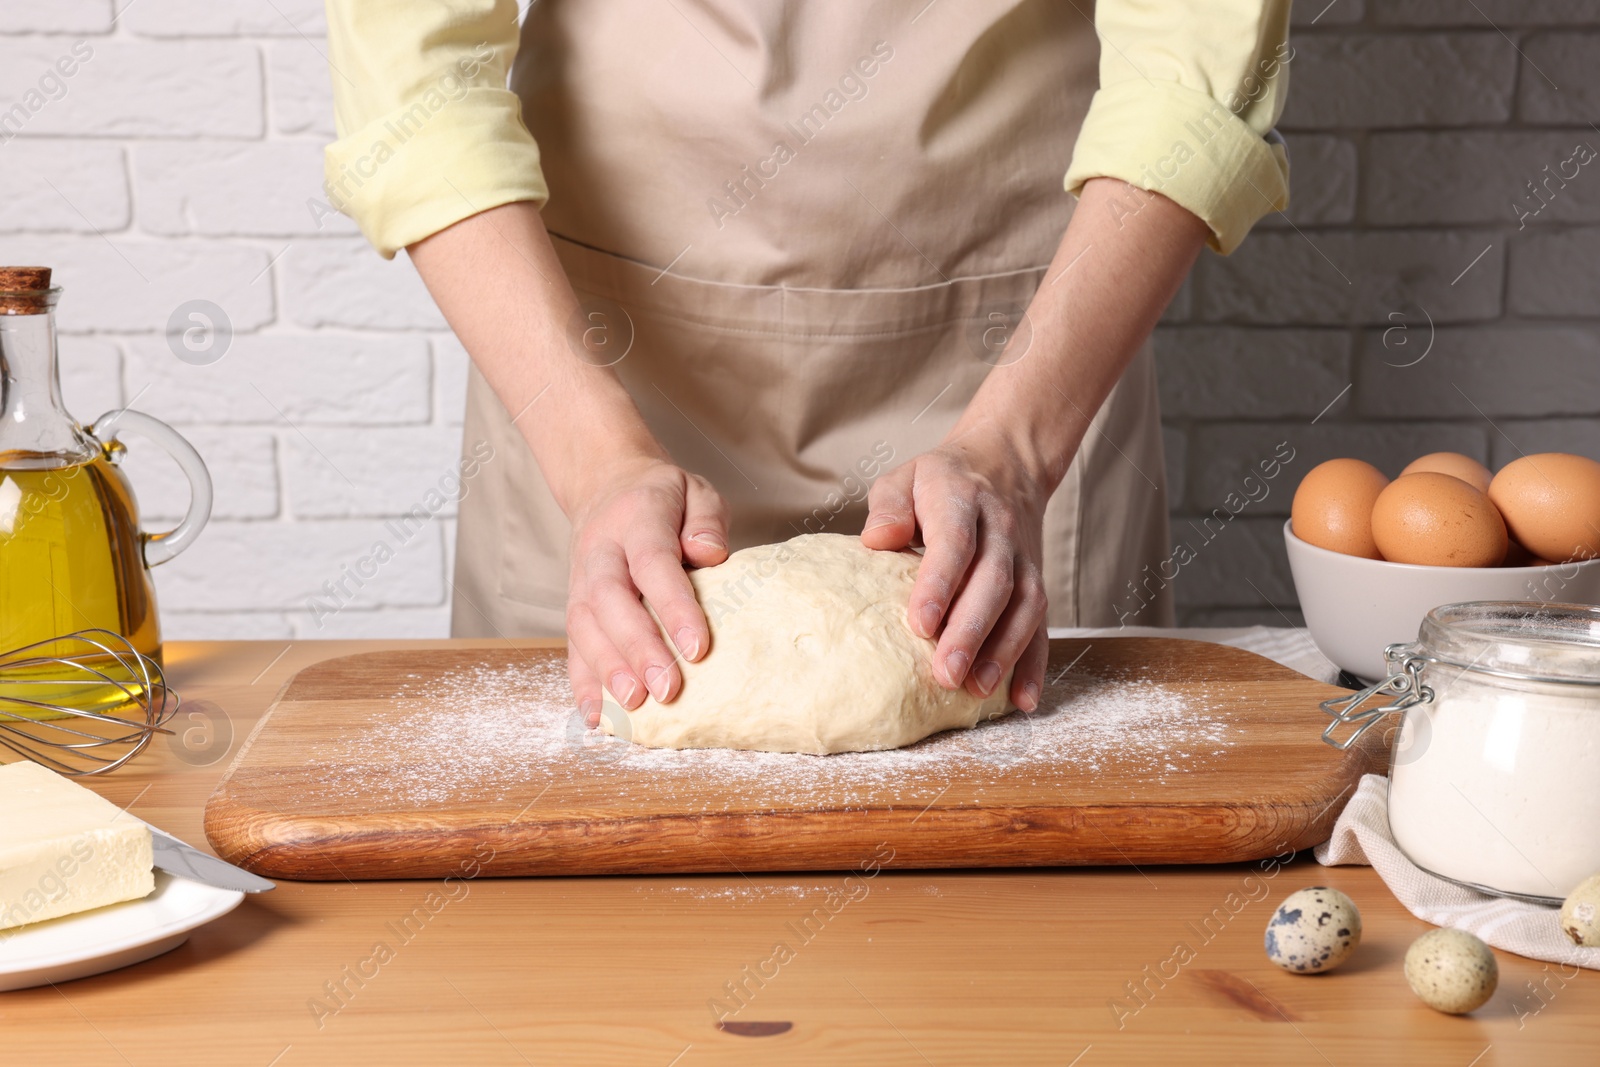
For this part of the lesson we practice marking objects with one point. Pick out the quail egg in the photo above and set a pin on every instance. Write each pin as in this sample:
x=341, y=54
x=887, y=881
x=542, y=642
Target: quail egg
x=1313, y=930
x=1452, y=971
x=1580, y=912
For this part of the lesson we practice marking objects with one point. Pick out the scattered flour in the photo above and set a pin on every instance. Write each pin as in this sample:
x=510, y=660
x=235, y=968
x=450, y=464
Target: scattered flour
x=508, y=733
x=719, y=887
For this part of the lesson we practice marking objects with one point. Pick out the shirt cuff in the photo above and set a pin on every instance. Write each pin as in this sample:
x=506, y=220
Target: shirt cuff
x=1188, y=147
x=425, y=167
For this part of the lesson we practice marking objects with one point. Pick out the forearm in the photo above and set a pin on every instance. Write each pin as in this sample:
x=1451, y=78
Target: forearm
x=1120, y=262
x=496, y=278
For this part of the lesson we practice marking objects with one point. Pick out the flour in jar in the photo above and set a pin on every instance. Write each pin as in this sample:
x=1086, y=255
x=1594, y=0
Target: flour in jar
x=1493, y=783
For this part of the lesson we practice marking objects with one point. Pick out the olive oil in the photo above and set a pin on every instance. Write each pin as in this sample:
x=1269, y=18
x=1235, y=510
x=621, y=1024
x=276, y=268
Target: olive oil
x=71, y=558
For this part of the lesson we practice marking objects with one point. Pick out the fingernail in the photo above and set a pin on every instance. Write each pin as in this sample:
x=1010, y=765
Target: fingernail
x=623, y=686
x=930, y=619
x=987, y=673
x=1030, y=697
x=688, y=643
x=879, y=520
x=656, y=679
x=955, y=667
x=710, y=540
x=590, y=710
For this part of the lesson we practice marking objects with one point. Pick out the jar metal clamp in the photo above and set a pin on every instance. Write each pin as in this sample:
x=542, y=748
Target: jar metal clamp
x=1404, y=682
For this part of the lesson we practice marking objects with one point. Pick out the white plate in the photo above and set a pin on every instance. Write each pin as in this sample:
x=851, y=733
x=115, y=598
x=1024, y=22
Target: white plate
x=92, y=942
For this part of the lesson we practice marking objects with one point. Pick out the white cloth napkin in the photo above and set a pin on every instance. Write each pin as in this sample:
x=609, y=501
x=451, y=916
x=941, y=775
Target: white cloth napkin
x=1362, y=836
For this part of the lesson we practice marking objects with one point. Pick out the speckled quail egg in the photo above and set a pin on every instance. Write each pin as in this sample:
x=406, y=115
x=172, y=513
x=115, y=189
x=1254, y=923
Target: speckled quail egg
x=1452, y=971
x=1313, y=930
x=1580, y=912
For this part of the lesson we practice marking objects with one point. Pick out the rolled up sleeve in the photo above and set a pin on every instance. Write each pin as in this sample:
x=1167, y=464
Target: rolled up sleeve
x=428, y=132
x=1189, y=96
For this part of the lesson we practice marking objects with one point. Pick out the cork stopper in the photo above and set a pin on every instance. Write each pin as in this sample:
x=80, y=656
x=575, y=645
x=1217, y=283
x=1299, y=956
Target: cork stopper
x=24, y=290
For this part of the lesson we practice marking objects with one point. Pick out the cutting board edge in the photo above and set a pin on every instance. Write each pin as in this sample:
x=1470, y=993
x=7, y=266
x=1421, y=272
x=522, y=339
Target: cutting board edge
x=249, y=741
x=274, y=845
x=237, y=828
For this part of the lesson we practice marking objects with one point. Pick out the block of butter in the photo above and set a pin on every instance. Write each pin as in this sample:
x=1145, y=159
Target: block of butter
x=65, y=849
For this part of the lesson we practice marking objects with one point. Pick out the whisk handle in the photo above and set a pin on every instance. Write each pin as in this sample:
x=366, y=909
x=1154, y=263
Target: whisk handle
x=160, y=547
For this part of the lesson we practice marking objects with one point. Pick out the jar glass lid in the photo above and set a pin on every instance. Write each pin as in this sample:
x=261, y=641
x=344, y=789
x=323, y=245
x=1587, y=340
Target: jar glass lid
x=1529, y=639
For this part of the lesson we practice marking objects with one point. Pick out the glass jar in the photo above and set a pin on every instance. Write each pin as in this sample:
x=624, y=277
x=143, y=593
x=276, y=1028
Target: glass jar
x=73, y=556
x=1494, y=778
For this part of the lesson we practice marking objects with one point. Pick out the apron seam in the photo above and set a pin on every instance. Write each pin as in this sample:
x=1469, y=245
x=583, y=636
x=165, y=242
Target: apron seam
x=631, y=291
x=778, y=335
x=871, y=290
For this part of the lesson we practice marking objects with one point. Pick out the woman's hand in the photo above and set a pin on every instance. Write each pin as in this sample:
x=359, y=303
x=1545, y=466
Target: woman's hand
x=979, y=498
x=981, y=517
x=631, y=538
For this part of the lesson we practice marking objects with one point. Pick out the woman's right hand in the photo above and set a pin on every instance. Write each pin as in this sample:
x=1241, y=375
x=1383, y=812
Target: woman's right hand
x=630, y=539
x=636, y=518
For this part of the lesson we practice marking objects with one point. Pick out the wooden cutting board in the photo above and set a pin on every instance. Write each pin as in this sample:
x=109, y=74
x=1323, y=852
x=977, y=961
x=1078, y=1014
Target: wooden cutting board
x=430, y=763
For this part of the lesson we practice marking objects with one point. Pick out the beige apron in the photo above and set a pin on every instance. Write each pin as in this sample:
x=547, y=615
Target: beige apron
x=820, y=220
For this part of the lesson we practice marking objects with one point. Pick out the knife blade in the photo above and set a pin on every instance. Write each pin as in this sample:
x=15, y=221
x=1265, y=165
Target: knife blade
x=186, y=861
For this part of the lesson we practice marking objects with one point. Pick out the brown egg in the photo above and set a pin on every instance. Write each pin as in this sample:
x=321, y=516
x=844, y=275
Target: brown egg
x=1454, y=464
x=1333, y=506
x=1438, y=521
x=1551, y=503
x=1517, y=556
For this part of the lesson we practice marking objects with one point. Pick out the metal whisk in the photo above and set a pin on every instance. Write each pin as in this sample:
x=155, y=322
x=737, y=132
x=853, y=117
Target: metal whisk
x=82, y=704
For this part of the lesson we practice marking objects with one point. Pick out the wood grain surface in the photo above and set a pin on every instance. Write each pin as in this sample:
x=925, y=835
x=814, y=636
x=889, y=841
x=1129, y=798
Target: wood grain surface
x=1144, y=751
x=1056, y=967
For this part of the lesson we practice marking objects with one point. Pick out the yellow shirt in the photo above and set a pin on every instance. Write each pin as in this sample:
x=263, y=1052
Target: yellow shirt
x=1189, y=94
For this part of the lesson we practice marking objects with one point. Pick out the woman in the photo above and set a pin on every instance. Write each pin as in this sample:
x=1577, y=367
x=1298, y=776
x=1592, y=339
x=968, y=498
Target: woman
x=720, y=264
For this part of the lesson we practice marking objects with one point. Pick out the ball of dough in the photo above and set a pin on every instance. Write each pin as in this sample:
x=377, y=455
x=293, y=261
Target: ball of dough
x=1313, y=930
x=810, y=652
x=1580, y=912
x=1451, y=971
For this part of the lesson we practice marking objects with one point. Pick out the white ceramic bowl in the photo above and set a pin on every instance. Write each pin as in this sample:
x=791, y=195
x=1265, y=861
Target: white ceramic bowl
x=1355, y=607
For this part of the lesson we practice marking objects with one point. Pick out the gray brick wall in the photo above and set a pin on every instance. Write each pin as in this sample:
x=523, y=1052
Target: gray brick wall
x=1414, y=127
x=178, y=162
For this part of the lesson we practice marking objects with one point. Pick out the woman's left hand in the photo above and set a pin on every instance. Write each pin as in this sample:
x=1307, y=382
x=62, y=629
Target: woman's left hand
x=981, y=517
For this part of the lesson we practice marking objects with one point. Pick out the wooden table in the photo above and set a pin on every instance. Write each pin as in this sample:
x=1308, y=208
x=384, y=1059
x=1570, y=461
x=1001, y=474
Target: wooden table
x=902, y=967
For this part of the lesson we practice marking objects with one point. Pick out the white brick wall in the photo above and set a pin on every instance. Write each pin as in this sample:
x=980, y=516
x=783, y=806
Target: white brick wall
x=177, y=166
x=178, y=163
